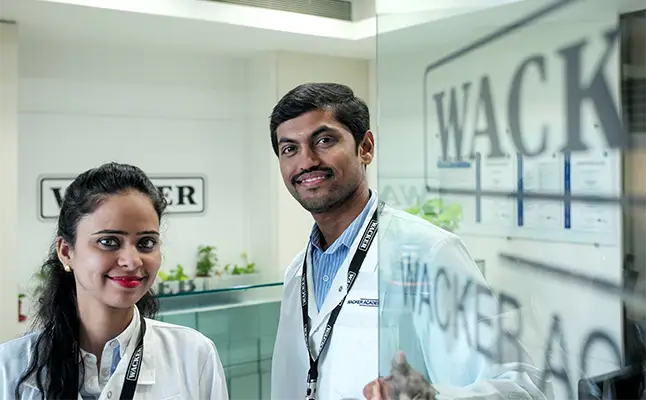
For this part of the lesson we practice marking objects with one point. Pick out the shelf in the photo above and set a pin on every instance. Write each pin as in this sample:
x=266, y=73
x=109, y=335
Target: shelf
x=217, y=307
x=220, y=290
x=211, y=294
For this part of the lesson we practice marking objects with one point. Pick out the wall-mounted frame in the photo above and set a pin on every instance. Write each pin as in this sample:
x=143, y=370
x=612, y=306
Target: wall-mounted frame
x=186, y=194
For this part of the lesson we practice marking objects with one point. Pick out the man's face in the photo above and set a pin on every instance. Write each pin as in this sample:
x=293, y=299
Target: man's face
x=319, y=161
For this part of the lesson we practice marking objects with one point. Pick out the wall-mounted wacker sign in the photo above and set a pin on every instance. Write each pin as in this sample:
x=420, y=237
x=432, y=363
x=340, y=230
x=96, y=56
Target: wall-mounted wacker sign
x=185, y=194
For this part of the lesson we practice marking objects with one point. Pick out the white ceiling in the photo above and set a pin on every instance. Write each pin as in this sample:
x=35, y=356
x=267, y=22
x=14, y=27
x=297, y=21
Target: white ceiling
x=55, y=21
x=44, y=21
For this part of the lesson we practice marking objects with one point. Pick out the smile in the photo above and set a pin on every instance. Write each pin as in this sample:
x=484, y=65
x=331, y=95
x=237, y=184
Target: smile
x=312, y=179
x=127, y=281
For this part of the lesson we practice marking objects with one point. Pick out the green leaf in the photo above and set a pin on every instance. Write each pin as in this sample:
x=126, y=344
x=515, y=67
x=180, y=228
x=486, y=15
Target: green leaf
x=207, y=260
x=415, y=210
x=446, y=216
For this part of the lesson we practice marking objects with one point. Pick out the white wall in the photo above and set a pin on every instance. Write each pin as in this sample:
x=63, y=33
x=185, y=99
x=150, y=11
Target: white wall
x=166, y=113
x=9, y=180
x=373, y=104
x=401, y=164
x=261, y=165
x=169, y=114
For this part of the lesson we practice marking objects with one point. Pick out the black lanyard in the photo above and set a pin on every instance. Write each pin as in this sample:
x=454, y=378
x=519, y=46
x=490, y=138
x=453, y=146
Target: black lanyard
x=355, y=265
x=134, y=366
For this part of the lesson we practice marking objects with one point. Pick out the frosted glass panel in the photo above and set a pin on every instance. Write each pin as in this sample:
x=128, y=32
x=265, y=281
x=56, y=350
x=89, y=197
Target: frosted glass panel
x=509, y=253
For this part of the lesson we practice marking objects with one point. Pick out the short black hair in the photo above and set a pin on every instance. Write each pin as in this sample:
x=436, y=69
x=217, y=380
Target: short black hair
x=348, y=109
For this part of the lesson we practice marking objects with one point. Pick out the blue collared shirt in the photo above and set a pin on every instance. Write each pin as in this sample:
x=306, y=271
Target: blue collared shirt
x=325, y=264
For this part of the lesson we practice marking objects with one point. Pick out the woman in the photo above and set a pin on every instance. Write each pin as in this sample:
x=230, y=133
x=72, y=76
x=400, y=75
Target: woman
x=97, y=338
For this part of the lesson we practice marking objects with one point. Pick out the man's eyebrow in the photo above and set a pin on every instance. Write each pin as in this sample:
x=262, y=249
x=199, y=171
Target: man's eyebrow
x=286, y=140
x=321, y=129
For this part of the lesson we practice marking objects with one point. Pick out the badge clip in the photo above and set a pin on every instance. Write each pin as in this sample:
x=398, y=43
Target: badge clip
x=310, y=393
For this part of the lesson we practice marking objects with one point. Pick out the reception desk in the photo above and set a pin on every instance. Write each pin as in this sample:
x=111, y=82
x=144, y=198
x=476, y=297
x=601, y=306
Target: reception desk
x=242, y=322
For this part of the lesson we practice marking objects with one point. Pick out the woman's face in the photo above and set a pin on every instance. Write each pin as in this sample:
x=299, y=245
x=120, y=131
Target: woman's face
x=116, y=255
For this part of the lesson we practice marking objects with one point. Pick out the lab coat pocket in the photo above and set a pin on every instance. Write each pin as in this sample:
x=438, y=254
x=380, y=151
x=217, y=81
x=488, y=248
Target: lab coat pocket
x=361, y=310
x=354, y=346
x=176, y=397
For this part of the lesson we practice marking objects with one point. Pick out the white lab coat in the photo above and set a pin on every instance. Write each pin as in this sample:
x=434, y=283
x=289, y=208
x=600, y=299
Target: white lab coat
x=178, y=363
x=364, y=341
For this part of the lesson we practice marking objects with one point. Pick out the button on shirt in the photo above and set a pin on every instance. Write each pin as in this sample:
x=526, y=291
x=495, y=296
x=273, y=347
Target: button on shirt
x=95, y=380
x=325, y=264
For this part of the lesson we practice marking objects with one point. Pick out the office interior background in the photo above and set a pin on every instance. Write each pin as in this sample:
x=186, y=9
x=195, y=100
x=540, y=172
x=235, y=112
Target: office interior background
x=184, y=89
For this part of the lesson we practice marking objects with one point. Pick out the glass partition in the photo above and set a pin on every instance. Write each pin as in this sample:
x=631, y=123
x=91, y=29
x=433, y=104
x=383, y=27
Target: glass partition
x=509, y=145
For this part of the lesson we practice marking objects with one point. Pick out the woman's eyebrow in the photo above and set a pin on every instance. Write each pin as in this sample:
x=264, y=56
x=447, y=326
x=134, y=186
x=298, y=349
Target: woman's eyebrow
x=118, y=232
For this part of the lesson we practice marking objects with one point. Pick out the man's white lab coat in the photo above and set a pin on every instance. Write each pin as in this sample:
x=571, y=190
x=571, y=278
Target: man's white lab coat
x=365, y=337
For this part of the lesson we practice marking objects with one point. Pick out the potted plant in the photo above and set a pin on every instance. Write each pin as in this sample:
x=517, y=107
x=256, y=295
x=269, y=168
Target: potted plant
x=207, y=262
x=447, y=217
x=241, y=273
x=246, y=267
x=171, y=282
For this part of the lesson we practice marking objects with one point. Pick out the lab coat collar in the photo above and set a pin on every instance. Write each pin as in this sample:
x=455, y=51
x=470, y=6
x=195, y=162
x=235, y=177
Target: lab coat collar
x=339, y=286
x=349, y=235
x=147, y=372
x=124, y=338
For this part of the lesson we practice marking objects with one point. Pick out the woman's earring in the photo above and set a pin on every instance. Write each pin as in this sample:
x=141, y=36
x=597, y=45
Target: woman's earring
x=67, y=268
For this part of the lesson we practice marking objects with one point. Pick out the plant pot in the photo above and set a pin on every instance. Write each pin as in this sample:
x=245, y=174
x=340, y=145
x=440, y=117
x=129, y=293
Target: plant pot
x=239, y=280
x=202, y=282
x=167, y=287
x=189, y=286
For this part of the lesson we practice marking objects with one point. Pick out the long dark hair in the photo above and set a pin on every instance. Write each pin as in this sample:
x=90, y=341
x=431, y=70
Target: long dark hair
x=55, y=362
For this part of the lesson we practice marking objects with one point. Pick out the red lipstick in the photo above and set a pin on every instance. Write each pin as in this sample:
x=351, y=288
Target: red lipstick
x=129, y=282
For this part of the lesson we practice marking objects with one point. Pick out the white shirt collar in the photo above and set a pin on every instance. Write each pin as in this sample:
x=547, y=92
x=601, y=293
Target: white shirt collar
x=95, y=380
x=123, y=339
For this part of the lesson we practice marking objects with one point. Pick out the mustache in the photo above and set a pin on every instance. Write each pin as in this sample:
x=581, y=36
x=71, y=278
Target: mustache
x=328, y=171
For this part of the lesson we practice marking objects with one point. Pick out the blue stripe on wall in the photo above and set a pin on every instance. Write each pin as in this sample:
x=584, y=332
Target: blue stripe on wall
x=478, y=187
x=520, y=189
x=567, y=190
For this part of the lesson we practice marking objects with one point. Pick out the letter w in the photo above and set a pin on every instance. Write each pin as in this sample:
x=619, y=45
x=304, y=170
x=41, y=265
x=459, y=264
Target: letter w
x=409, y=280
x=455, y=120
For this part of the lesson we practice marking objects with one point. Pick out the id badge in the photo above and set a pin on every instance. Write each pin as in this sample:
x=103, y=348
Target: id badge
x=310, y=393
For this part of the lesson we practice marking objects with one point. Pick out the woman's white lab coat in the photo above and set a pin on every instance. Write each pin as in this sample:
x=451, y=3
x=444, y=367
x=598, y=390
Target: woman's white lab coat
x=178, y=363
x=364, y=339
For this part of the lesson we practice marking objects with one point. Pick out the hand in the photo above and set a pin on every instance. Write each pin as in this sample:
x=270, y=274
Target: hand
x=376, y=390
x=403, y=383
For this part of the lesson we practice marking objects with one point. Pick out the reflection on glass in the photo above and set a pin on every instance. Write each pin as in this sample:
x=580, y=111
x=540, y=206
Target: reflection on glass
x=519, y=116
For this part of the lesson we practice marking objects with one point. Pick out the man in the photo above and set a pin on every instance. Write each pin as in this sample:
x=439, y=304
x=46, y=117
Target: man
x=328, y=344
